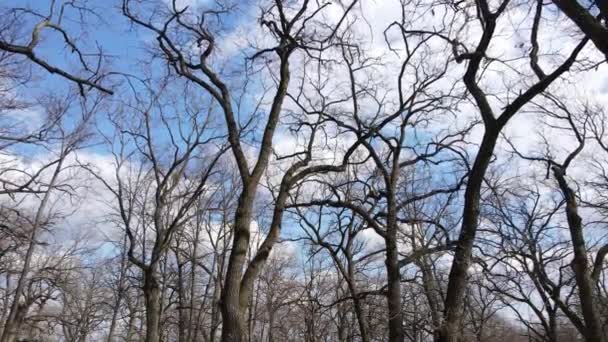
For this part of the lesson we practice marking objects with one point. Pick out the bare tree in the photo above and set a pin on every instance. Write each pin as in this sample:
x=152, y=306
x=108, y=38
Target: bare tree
x=157, y=195
x=566, y=120
x=289, y=27
x=486, y=16
x=69, y=140
x=373, y=191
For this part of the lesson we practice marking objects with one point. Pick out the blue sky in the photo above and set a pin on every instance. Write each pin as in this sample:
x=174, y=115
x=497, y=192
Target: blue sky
x=109, y=29
x=118, y=38
x=125, y=46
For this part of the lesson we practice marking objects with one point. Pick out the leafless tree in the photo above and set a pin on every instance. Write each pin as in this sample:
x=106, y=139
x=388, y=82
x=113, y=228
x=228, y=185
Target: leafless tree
x=69, y=138
x=289, y=27
x=568, y=120
x=303, y=171
x=477, y=54
x=156, y=195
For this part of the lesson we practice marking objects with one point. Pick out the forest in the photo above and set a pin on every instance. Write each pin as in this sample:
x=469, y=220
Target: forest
x=304, y=170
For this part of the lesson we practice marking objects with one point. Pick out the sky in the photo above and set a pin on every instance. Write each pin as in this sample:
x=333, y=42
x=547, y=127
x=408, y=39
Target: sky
x=125, y=45
x=126, y=48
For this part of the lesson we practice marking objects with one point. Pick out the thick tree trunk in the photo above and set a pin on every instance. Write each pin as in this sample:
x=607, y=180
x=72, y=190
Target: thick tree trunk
x=152, y=300
x=233, y=329
x=462, y=257
x=552, y=326
x=217, y=286
x=234, y=303
x=580, y=265
x=395, y=318
x=9, y=334
x=393, y=270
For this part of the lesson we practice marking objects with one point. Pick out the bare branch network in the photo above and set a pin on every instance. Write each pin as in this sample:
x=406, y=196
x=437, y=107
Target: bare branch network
x=297, y=170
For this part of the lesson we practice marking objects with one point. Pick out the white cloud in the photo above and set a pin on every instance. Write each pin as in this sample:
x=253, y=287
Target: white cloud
x=181, y=4
x=372, y=239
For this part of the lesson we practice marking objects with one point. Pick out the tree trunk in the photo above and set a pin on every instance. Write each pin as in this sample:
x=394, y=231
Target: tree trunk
x=462, y=257
x=152, y=298
x=115, y=310
x=552, y=326
x=181, y=312
x=193, y=257
x=19, y=317
x=593, y=331
x=395, y=319
x=233, y=329
x=357, y=301
x=215, y=313
x=217, y=285
x=393, y=270
x=433, y=296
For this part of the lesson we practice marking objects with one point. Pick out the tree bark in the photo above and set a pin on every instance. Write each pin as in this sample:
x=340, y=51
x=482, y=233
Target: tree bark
x=580, y=265
x=182, y=324
x=395, y=319
x=462, y=256
x=152, y=300
x=433, y=295
x=232, y=315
